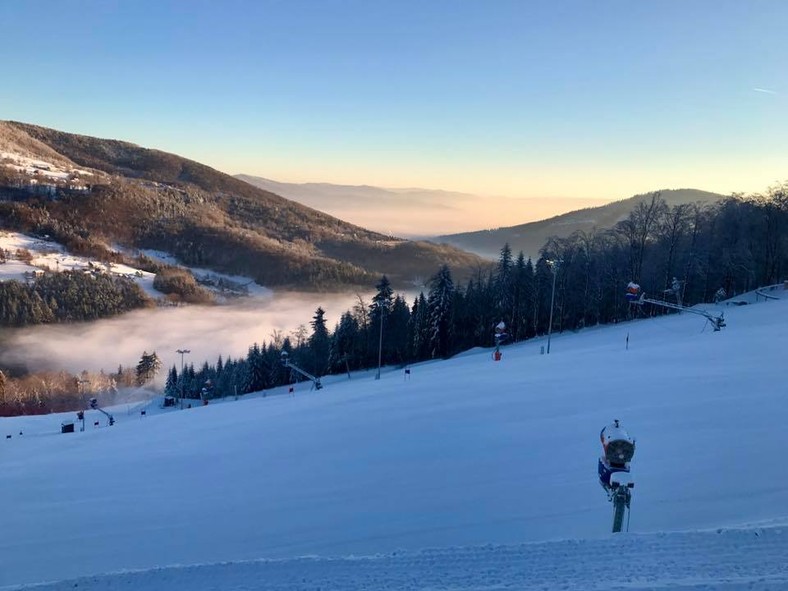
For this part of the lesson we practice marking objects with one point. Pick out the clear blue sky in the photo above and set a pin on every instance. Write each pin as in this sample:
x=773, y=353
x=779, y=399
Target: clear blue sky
x=597, y=99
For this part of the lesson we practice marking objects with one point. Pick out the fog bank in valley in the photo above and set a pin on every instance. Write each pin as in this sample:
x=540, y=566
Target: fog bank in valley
x=207, y=332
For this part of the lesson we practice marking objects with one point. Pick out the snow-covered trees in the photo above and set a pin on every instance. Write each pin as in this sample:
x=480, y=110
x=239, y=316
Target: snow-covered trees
x=440, y=309
x=171, y=385
x=319, y=343
x=67, y=297
x=735, y=245
x=147, y=368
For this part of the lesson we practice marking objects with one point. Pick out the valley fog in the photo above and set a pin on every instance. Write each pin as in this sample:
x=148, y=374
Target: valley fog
x=226, y=330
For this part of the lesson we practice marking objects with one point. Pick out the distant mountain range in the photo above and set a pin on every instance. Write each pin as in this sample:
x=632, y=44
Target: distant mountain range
x=145, y=198
x=531, y=237
x=414, y=212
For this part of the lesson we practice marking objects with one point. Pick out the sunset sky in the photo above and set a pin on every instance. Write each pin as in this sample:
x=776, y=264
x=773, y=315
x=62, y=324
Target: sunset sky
x=571, y=99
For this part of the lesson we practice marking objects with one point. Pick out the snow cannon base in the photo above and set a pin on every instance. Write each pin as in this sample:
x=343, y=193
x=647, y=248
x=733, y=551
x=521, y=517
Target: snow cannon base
x=618, y=479
x=606, y=472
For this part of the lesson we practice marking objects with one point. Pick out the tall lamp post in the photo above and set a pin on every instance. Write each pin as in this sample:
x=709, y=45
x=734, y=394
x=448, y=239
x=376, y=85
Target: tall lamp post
x=554, y=266
x=182, y=352
x=382, y=310
x=81, y=414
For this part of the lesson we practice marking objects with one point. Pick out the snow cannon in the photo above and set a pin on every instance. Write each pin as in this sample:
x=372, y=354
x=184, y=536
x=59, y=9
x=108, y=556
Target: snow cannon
x=614, y=475
x=618, y=449
x=633, y=292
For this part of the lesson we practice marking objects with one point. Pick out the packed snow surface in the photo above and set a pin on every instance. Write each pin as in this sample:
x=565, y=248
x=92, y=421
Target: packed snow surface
x=469, y=474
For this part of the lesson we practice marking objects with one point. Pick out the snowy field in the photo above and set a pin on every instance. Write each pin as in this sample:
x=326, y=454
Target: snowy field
x=471, y=474
x=42, y=169
x=47, y=255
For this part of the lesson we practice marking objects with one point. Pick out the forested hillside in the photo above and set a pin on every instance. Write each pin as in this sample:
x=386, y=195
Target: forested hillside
x=531, y=237
x=68, y=297
x=151, y=199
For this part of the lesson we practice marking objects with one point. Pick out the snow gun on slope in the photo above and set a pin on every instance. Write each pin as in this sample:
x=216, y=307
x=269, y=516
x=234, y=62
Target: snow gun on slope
x=285, y=357
x=635, y=296
x=614, y=471
x=94, y=405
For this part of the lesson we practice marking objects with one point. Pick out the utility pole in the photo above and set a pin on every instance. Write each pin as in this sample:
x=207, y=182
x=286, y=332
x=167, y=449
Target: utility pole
x=182, y=352
x=554, y=266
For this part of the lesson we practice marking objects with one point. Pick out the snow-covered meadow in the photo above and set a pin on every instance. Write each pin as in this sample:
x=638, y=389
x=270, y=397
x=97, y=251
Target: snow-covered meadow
x=43, y=170
x=43, y=254
x=40, y=255
x=469, y=474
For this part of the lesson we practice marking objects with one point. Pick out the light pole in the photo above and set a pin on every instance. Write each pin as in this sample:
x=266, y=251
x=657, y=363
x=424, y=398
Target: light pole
x=554, y=266
x=182, y=353
x=81, y=414
x=382, y=309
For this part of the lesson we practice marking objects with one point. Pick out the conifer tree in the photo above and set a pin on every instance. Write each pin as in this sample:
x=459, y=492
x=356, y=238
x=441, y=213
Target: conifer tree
x=147, y=368
x=319, y=343
x=379, y=312
x=440, y=308
x=171, y=385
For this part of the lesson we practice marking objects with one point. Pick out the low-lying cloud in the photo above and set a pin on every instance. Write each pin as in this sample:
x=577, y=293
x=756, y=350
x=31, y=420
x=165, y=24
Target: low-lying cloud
x=206, y=331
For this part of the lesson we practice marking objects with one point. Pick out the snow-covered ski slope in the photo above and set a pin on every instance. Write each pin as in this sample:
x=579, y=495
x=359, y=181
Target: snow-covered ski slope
x=472, y=474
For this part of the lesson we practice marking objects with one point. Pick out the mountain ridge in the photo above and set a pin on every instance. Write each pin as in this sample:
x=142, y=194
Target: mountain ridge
x=147, y=198
x=530, y=237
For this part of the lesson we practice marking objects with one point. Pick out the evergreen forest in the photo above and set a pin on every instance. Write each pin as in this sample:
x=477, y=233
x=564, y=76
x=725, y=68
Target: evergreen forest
x=714, y=251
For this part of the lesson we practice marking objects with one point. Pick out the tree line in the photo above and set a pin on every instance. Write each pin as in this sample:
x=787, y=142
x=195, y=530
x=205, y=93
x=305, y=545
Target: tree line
x=725, y=248
x=732, y=246
x=68, y=296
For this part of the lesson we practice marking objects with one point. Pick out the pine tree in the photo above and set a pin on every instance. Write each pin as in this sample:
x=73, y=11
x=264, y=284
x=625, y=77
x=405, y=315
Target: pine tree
x=345, y=344
x=319, y=343
x=171, y=385
x=419, y=329
x=440, y=307
x=257, y=371
x=379, y=312
x=398, y=320
x=147, y=368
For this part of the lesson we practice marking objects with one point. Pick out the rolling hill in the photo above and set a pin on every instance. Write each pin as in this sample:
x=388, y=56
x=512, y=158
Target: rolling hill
x=531, y=237
x=145, y=198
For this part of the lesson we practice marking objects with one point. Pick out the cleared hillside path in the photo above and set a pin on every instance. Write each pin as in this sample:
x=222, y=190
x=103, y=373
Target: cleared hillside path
x=753, y=559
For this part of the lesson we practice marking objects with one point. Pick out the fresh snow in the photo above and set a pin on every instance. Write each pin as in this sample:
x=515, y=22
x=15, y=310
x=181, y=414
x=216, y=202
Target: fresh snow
x=40, y=168
x=48, y=255
x=471, y=474
x=252, y=289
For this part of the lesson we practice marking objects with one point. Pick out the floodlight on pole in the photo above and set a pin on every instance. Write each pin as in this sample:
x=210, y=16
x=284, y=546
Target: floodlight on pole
x=554, y=264
x=381, y=309
x=182, y=352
